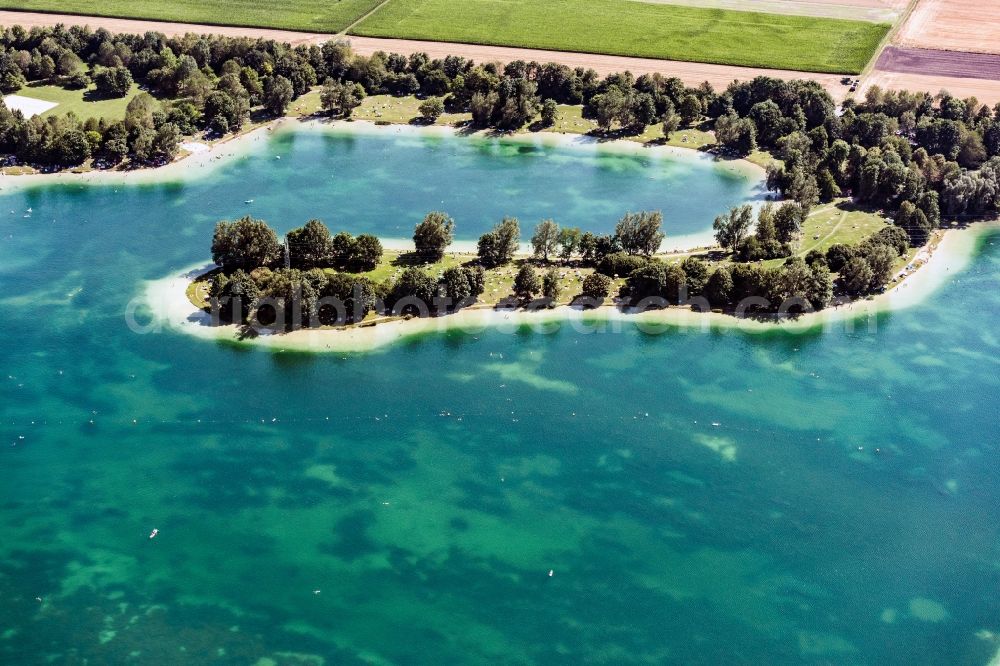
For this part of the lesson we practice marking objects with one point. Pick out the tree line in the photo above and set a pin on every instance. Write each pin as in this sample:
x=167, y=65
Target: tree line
x=211, y=83
x=249, y=243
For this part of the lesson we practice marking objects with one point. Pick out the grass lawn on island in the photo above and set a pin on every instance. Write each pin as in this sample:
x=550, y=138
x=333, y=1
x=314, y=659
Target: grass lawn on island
x=498, y=283
x=622, y=27
x=79, y=102
x=308, y=15
x=838, y=222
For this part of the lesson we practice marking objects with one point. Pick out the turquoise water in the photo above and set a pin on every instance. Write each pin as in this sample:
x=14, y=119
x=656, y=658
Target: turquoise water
x=716, y=498
x=384, y=180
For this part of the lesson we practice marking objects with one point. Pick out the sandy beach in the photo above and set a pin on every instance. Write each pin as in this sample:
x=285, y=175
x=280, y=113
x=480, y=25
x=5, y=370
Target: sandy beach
x=170, y=309
x=189, y=165
x=193, y=163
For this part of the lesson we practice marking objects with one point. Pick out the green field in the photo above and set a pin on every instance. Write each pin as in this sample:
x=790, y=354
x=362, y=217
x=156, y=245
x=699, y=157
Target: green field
x=309, y=15
x=621, y=27
x=616, y=27
x=79, y=102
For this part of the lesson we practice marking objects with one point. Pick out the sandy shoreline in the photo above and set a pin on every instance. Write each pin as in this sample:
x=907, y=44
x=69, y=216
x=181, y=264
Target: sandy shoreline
x=186, y=167
x=171, y=310
x=221, y=152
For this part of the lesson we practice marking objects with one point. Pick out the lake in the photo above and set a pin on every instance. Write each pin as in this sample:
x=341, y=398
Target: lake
x=689, y=497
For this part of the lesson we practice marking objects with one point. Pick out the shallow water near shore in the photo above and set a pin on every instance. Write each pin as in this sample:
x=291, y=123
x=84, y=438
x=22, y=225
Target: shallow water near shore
x=383, y=180
x=498, y=497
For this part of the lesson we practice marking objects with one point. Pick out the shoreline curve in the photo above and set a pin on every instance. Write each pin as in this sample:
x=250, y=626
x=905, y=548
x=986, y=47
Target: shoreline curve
x=254, y=142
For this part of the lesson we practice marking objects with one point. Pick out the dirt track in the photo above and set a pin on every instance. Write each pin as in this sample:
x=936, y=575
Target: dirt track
x=691, y=73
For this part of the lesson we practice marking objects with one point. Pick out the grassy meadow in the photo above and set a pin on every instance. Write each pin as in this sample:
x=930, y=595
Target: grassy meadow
x=615, y=27
x=80, y=102
x=838, y=222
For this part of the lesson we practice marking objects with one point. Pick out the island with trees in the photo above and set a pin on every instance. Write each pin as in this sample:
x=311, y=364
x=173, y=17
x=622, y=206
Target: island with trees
x=312, y=278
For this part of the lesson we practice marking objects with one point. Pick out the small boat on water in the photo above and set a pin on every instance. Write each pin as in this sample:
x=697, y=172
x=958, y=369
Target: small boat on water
x=152, y=535
x=248, y=201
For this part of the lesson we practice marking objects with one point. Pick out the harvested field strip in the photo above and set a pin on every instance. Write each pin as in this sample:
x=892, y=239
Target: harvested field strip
x=933, y=62
x=986, y=91
x=622, y=27
x=953, y=25
x=875, y=11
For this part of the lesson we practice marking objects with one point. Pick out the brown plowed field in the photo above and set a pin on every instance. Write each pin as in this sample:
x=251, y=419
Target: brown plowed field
x=933, y=62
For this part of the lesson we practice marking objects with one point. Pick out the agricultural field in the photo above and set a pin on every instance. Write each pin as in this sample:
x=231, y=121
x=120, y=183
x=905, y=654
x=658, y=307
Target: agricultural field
x=310, y=15
x=639, y=29
x=930, y=62
x=612, y=27
x=953, y=25
x=951, y=45
x=986, y=91
x=80, y=102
